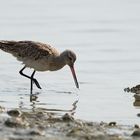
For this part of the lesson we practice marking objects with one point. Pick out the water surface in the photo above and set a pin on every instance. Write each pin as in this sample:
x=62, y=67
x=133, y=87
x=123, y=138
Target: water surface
x=104, y=35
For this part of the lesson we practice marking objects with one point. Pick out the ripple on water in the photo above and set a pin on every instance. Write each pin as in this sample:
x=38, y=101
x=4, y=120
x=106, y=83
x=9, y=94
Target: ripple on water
x=56, y=102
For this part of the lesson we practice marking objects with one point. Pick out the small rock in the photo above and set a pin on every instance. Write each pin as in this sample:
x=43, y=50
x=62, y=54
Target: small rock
x=138, y=114
x=67, y=117
x=14, y=113
x=37, y=132
x=15, y=122
x=136, y=126
x=136, y=133
x=137, y=97
x=76, y=131
x=89, y=123
x=112, y=124
x=102, y=123
x=135, y=89
x=127, y=89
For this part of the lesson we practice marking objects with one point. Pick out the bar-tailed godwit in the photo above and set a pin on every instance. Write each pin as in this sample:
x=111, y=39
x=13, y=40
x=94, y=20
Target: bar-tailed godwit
x=40, y=57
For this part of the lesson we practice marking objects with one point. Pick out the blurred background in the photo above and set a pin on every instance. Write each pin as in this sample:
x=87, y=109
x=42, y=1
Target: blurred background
x=105, y=36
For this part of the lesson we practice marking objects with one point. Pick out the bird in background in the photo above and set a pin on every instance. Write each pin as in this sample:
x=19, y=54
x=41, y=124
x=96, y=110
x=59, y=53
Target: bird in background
x=40, y=57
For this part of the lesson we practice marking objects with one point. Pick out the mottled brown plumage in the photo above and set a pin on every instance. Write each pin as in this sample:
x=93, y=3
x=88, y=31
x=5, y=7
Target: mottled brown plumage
x=39, y=56
x=28, y=49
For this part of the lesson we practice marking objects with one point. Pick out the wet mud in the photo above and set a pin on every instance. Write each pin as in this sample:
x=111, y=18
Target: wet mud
x=38, y=124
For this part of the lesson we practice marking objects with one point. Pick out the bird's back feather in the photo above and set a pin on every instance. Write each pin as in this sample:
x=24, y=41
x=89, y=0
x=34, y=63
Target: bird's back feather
x=27, y=49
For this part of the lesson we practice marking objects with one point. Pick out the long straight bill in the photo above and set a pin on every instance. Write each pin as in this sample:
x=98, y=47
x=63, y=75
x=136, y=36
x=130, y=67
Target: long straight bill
x=74, y=76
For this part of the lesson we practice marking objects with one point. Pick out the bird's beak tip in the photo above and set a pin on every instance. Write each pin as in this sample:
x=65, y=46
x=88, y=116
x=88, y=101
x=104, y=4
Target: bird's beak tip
x=74, y=76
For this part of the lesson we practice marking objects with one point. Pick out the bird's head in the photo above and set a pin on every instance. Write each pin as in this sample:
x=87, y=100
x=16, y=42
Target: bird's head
x=70, y=58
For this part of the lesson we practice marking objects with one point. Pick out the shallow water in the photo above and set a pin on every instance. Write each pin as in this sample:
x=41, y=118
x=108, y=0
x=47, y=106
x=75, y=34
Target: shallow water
x=104, y=35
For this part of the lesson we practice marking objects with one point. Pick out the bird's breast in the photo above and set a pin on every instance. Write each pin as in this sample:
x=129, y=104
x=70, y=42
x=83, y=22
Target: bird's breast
x=38, y=65
x=44, y=64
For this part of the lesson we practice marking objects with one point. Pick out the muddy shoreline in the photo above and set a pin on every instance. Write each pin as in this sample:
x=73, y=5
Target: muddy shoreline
x=42, y=124
x=34, y=125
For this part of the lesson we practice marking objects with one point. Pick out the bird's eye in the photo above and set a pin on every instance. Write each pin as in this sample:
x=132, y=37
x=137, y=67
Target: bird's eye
x=70, y=58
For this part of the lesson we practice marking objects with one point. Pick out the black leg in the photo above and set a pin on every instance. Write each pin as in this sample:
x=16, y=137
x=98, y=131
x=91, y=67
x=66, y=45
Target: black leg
x=33, y=79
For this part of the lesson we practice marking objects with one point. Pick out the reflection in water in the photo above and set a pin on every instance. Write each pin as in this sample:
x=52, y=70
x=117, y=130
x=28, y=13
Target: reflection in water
x=51, y=112
x=137, y=100
x=33, y=97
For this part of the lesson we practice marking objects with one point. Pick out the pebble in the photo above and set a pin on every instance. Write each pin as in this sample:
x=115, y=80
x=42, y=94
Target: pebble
x=138, y=114
x=14, y=113
x=135, y=89
x=15, y=122
x=36, y=132
x=67, y=117
x=127, y=89
x=112, y=124
x=136, y=126
x=136, y=133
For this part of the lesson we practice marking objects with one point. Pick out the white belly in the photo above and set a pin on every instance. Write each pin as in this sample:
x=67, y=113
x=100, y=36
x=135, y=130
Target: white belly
x=42, y=64
x=38, y=65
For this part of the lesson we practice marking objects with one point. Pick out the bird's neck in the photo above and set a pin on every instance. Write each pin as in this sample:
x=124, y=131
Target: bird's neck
x=57, y=63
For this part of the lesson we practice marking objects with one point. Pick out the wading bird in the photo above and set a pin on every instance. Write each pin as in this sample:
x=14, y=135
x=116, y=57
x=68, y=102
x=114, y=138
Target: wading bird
x=40, y=57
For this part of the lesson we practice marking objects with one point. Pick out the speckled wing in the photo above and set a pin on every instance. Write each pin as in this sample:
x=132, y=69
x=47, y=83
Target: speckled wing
x=26, y=49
